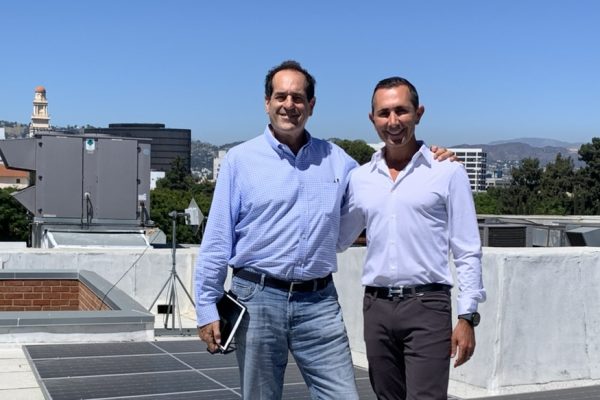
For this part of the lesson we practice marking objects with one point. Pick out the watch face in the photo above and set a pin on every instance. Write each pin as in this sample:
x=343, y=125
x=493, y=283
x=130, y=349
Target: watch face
x=472, y=318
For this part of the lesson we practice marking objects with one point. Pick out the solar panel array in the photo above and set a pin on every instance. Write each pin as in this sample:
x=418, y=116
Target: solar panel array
x=177, y=369
x=181, y=370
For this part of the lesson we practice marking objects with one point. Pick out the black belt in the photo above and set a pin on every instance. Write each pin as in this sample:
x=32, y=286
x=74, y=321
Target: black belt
x=298, y=286
x=406, y=291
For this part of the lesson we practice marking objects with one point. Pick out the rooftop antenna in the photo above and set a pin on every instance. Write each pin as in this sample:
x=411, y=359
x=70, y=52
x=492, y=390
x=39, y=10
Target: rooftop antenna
x=193, y=216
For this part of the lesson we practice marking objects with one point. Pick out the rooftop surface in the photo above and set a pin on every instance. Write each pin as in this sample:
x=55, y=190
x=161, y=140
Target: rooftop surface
x=507, y=360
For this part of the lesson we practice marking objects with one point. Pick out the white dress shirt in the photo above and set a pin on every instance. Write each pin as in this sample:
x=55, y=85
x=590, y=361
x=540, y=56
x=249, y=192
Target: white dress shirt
x=413, y=223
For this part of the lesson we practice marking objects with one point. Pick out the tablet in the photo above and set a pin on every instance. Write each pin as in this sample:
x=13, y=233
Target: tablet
x=231, y=313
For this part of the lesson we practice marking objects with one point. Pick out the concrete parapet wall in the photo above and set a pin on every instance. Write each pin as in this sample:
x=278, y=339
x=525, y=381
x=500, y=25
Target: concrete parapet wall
x=140, y=273
x=124, y=320
x=541, y=322
x=540, y=325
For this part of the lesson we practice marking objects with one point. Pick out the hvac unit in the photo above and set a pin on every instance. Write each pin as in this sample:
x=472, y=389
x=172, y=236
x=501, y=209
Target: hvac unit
x=503, y=235
x=584, y=236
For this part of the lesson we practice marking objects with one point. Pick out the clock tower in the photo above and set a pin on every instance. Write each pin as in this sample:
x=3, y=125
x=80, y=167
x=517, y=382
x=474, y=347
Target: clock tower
x=40, y=120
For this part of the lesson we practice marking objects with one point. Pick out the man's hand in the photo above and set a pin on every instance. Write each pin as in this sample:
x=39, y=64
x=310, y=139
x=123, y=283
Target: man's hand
x=463, y=340
x=442, y=153
x=211, y=335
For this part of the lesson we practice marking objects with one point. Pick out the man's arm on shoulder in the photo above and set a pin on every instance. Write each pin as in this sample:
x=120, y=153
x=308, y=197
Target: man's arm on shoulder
x=352, y=221
x=442, y=153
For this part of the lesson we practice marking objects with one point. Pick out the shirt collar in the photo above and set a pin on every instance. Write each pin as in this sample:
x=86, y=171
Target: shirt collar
x=281, y=148
x=423, y=154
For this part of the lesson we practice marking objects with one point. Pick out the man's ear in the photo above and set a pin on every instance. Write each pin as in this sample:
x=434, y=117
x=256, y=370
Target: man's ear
x=371, y=118
x=420, y=112
x=311, y=105
x=267, y=101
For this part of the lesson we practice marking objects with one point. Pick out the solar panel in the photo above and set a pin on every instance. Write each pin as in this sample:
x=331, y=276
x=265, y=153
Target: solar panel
x=107, y=386
x=91, y=349
x=112, y=365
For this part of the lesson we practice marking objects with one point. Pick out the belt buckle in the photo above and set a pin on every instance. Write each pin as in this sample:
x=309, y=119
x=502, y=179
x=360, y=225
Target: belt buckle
x=315, y=284
x=397, y=291
x=295, y=283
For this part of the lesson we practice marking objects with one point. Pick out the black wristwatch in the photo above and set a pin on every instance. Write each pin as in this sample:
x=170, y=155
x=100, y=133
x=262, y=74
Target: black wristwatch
x=472, y=318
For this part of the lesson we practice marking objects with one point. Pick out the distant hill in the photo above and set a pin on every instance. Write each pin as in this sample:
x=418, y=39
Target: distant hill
x=203, y=153
x=14, y=130
x=516, y=151
x=539, y=142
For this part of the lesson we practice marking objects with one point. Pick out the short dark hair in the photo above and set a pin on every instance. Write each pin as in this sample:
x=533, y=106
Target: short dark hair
x=394, y=81
x=293, y=65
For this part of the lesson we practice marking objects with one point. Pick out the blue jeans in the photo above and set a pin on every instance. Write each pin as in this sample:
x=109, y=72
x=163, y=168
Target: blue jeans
x=307, y=324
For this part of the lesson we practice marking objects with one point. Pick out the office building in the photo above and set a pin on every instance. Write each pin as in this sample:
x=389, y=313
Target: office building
x=166, y=143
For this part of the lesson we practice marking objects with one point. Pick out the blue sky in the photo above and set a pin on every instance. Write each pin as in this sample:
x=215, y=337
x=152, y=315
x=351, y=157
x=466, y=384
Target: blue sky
x=485, y=70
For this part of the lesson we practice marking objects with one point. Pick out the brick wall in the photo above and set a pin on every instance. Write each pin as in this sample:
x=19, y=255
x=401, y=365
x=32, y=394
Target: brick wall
x=88, y=301
x=47, y=295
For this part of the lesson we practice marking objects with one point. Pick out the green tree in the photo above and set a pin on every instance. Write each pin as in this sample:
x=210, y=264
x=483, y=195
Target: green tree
x=521, y=197
x=587, y=187
x=556, y=187
x=165, y=200
x=357, y=149
x=174, y=193
x=14, y=218
x=487, y=202
x=178, y=177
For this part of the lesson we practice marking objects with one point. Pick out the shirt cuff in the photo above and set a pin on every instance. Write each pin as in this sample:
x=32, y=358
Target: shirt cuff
x=206, y=314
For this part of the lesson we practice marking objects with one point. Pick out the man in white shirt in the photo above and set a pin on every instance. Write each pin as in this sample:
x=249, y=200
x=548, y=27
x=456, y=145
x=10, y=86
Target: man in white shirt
x=415, y=211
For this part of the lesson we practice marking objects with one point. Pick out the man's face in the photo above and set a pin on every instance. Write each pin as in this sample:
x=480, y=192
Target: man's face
x=288, y=107
x=394, y=117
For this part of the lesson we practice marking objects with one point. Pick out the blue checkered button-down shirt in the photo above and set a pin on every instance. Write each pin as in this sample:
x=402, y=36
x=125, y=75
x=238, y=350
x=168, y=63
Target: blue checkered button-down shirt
x=274, y=211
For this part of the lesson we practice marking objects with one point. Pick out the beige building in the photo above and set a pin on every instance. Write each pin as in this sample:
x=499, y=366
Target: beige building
x=217, y=163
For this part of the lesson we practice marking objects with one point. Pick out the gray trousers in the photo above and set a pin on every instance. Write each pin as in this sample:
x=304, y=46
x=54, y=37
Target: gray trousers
x=408, y=345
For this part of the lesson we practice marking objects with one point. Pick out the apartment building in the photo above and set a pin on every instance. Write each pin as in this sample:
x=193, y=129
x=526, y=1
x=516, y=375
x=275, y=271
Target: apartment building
x=475, y=162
